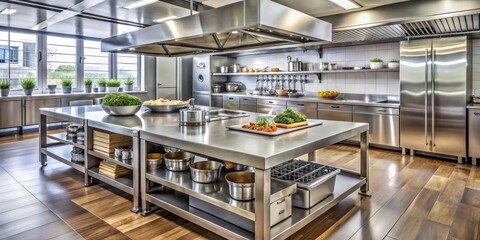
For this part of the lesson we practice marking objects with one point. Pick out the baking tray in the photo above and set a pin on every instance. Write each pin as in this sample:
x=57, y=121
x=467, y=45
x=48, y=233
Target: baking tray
x=280, y=131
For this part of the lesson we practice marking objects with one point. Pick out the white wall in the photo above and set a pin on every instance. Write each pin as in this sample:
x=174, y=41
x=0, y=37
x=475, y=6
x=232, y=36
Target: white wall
x=476, y=65
x=364, y=83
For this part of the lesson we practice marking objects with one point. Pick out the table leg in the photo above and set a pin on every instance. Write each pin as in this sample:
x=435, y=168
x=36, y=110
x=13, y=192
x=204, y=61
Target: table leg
x=474, y=161
x=42, y=131
x=88, y=138
x=143, y=179
x=364, y=163
x=136, y=172
x=312, y=157
x=262, y=204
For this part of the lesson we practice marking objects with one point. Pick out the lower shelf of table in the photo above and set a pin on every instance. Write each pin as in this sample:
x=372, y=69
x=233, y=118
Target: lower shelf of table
x=123, y=183
x=177, y=203
x=62, y=153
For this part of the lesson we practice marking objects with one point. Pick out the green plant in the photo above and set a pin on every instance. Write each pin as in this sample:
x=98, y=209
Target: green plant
x=28, y=83
x=102, y=82
x=4, y=85
x=376, y=60
x=88, y=82
x=66, y=82
x=290, y=116
x=113, y=83
x=121, y=99
x=129, y=82
x=394, y=61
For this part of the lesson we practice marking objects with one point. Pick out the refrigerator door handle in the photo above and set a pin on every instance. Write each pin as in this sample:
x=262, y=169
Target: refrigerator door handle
x=426, y=96
x=433, y=99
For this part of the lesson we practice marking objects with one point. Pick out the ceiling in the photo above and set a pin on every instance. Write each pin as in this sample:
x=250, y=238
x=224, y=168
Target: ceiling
x=106, y=18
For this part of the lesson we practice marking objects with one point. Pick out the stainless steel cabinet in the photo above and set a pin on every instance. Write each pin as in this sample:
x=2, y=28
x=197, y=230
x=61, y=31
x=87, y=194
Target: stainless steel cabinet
x=474, y=134
x=10, y=114
x=217, y=101
x=231, y=102
x=271, y=106
x=383, y=124
x=248, y=104
x=335, y=112
x=31, y=109
x=309, y=109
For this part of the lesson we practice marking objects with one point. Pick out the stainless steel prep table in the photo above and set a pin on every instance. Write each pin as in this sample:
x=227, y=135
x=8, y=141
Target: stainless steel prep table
x=214, y=140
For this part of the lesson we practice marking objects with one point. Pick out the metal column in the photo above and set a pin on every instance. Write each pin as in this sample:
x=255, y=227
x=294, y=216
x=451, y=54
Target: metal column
x=42, y=131
x=364, y=162
x=262, y=204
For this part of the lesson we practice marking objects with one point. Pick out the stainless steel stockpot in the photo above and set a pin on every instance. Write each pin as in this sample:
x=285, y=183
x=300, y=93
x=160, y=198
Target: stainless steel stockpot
x=241, y=185
x=178, y=161
x=192, y=116
x=205, y=171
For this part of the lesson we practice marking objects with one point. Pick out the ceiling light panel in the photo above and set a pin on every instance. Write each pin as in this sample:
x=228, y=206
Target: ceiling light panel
x=8, y=11
x=138, y=4
x=346, y=4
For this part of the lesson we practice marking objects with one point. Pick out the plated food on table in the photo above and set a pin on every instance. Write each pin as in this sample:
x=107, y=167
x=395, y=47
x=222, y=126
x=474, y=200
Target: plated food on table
x=290, y=119
x=165, y=105
x=164, y=102
x=263, y=124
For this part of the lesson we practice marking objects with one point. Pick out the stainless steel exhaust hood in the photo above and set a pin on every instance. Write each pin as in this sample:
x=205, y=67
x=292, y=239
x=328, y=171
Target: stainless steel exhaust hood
x=247, y=24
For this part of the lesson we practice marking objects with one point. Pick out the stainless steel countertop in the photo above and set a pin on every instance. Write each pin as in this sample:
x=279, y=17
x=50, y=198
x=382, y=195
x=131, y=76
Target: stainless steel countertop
x=473, y=106
x=214, y=139
x=316, y=99
x=59, y=95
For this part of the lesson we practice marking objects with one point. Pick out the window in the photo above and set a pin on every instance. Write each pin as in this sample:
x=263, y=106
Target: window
x=61, y=60
x=128, y=68
x=95, y=61
x=8, y=54
x=18, y=60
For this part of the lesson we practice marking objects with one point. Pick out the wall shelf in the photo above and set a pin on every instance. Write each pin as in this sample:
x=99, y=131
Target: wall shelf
x=318, y=73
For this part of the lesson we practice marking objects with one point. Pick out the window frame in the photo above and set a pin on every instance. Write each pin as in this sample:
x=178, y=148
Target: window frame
x=42, y=69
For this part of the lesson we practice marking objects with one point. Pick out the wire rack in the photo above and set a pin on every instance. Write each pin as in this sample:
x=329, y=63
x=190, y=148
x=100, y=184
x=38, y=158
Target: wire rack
x=301, y=171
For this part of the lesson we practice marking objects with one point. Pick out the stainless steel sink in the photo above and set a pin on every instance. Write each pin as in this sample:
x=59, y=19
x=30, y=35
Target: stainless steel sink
x=224, y=114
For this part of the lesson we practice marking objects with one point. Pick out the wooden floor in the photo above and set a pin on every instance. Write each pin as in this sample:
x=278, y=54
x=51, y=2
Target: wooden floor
x=413, y=198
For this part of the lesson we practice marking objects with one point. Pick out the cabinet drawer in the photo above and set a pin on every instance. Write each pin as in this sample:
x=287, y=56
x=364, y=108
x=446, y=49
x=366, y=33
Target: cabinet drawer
x=11, y=114
x=248, y=100
x=474, y=133
x=232, y=99
x=376, y=110
x=335, y=107
x=272, y=102
x=334, y=115
x=301, y=104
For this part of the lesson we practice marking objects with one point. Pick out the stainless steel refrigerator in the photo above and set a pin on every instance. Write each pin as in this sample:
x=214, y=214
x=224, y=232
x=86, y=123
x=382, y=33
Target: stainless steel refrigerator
x=435, y=83
x=174, y=76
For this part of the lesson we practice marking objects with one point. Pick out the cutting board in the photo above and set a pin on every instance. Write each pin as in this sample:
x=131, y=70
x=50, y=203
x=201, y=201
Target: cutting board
x=293, y=125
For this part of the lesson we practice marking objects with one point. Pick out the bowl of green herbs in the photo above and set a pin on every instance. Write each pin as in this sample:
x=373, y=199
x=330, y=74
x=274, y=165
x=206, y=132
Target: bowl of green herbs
x=121, y=104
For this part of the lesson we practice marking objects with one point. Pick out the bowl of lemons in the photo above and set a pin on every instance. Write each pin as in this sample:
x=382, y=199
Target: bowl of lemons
x=328, y=94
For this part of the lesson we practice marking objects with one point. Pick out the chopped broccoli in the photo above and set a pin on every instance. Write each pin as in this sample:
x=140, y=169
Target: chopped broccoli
x=290, y=116
x=264, y=121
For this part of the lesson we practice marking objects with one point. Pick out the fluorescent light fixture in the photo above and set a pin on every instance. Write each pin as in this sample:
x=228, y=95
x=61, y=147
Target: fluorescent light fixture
x=234, y=32
x=8, y=11
x=139, y=3
x=165, y=19
x=346, y=4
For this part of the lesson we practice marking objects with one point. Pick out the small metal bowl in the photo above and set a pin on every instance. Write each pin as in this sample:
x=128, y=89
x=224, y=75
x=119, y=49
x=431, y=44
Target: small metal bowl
x=121, y=110
x=241, y=185
x=178, y=161
x=154, y=161
x=205, y=171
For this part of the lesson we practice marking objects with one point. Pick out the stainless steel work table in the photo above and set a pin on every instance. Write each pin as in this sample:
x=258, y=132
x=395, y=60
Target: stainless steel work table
x=214, y=140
